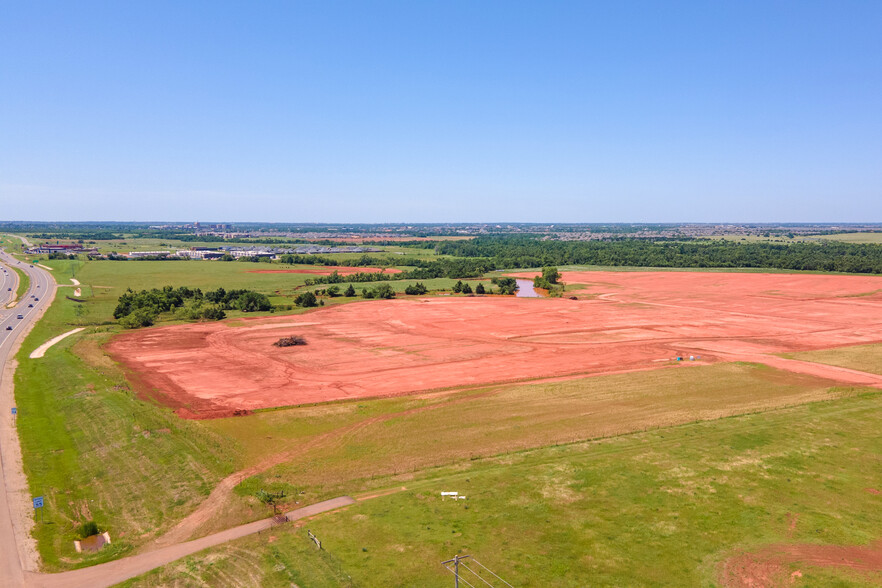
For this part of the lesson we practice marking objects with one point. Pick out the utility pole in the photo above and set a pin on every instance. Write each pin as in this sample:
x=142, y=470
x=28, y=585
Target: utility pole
x=455, y=570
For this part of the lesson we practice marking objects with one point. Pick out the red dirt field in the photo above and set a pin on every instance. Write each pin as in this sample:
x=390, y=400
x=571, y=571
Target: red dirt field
x=326, y=270
x=628, y=321
x=770, y=566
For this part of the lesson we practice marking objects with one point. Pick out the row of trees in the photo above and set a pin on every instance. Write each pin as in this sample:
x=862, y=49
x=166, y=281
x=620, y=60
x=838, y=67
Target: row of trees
x=423, y=270
x=140, y=309
x=524, y=251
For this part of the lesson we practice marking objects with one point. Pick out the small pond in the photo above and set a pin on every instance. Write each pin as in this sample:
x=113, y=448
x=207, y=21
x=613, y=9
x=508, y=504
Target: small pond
x=525, y=289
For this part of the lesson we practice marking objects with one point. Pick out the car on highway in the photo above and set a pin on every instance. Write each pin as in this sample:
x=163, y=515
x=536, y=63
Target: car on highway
x=21, y=316
x=9, y=328
x=30, y=305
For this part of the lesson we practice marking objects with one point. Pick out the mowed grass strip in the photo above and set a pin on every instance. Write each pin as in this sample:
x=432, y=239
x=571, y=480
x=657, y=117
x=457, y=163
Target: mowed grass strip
x=865, y=358
x=96, y=452
x=657, y=508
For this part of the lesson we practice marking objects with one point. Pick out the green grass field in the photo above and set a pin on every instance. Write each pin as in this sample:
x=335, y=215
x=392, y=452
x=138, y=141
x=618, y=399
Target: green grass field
x=339, y=448
x=104, y=281
x=865, y=358
x=10, y=243
x=658, y=508
x=853, y=237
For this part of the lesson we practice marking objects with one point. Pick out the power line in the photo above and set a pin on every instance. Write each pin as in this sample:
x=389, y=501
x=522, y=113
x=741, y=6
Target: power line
x=458, y=560
x=476, y=573
x=459, y=578
x=491, y=571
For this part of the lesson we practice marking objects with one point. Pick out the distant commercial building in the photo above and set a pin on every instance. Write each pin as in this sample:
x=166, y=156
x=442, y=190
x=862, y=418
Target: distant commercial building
x=137, y=254
x=59, y=248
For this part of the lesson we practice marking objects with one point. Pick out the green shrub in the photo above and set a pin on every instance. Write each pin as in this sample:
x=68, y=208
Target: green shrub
x=87, y=529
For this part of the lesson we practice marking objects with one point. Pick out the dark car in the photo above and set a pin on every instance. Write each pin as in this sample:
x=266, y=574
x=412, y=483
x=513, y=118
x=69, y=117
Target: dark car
x=9, y=328
x=30, y=305
x=36, y=299
x=21, y=316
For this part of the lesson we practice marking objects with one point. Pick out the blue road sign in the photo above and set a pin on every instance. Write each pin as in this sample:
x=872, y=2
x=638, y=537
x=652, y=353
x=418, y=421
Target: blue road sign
x=14, y=410
x=38, y=502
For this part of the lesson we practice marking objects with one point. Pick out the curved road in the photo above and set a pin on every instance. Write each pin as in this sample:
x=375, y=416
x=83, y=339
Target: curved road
x=14, y=498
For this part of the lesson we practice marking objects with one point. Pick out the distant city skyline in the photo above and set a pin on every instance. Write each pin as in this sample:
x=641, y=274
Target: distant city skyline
x=431, y=112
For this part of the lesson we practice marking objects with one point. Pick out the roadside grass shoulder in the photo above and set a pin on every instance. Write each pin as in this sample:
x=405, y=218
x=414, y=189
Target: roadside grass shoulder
x=865, y=358
x=95, y=451
x=24, y=283
x=664, y=507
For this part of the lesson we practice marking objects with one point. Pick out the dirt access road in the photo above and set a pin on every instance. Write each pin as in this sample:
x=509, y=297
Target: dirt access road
x=623, y=321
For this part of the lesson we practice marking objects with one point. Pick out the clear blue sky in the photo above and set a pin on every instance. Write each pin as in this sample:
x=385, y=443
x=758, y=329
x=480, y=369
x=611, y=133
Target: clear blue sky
x=441, y=111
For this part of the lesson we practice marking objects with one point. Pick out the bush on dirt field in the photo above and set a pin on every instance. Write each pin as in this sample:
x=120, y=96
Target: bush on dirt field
x=290, y=341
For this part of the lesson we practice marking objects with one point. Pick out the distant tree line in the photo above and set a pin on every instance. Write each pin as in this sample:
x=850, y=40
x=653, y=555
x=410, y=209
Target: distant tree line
x=140, y=309
x=87, y=236
x=521, y=251
x=117, y=257
x=424, y=270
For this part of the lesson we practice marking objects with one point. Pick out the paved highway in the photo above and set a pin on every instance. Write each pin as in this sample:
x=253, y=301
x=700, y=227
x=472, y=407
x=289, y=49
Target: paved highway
x=14, y=498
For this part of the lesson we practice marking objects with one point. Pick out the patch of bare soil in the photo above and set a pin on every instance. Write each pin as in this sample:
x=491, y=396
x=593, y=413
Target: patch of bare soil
x=770, y=565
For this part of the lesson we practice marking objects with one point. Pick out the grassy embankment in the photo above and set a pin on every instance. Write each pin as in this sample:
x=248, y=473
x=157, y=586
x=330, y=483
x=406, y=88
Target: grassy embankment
x=11, y=243
x=657, y=508
x=96, y=452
